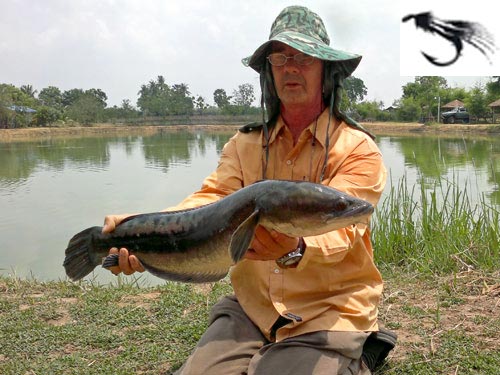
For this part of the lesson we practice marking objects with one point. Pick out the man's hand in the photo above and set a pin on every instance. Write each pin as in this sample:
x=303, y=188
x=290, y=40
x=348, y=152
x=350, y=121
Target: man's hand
x=111, y=221
x=270, y=245
x=128, y=264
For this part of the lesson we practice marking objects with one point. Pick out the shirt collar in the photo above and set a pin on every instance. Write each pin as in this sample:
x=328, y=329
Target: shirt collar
x=323, y=127
x=318, y=131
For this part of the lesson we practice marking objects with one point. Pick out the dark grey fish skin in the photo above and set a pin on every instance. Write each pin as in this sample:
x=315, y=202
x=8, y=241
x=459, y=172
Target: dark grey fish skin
x=200, y=245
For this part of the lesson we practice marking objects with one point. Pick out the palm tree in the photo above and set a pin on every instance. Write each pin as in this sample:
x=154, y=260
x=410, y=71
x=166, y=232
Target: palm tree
x=28, y=90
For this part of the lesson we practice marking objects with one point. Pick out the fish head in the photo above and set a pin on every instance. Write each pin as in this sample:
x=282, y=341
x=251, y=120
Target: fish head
x=308, y=209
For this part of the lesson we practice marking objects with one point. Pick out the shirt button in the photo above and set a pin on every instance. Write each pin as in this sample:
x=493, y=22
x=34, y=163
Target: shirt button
x=288, y=162
x=276, y=270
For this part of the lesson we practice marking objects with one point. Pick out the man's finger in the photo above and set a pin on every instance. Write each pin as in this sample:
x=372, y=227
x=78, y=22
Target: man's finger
x=124, y=263
x=136, y=264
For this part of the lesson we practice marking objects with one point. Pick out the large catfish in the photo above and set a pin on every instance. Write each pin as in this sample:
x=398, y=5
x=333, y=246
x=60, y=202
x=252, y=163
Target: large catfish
x=201, y=244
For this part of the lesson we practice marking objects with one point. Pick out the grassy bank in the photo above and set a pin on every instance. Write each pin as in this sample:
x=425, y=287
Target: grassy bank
x=436, y=230
x=66, y=328
x=446, y=325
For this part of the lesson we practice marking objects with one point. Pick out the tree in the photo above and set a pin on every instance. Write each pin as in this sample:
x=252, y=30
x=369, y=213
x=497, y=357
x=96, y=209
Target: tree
x=71, y=96
x=355, y=90
x=477, y=104
x=244, y=95
x=158, y=99
x=200, y=104
x=125, y=111
x=180, y=102
x=493, y=88
x=86, y=109
x=151, y=101
x=99, y=95
x=127, y=106
x=28, y=90
x=153, y=96
x=447, y=95
x=46, y=115
x=424, y=87
x=221, y=98
x=370, y=110
x=51, y=96
x=11, y=95
x=408, y=110
x=424, y=92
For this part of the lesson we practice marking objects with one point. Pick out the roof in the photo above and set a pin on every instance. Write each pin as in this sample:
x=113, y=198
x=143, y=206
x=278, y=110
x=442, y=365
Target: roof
x=391, y=108
x=496, y=103
x=21, y=108
x=453, y=104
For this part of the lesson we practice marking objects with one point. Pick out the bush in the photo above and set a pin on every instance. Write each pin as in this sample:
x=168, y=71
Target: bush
x=46, y=116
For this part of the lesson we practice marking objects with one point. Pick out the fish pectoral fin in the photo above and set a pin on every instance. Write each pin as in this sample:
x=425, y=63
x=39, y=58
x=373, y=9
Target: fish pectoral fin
x=110, y=261
x=242, y=236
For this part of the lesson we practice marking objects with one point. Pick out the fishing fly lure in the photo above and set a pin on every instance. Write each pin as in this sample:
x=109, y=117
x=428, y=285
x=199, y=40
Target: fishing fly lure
x=456, y=32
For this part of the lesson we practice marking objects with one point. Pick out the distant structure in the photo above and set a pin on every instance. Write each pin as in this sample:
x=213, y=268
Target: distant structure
x=495, y=110
x=454, y=104
x=21, y=109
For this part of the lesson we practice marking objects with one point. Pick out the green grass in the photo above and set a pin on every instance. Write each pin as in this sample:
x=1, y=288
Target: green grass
x=443, y=323
x=436, y=230
x=65, y=328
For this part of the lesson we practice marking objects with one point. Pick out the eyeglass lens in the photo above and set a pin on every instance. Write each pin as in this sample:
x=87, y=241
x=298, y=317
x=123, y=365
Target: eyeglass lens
x=279, y=59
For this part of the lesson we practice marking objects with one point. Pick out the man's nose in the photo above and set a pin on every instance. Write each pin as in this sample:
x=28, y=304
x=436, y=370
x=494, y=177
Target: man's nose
x=291, y=66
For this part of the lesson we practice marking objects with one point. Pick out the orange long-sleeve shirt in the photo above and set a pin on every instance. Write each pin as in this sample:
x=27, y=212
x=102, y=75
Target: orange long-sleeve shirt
x=336, y=285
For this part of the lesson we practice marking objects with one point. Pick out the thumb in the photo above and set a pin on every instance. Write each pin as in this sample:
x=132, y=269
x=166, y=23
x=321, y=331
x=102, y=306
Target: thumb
x=111, y=221
x=109, y=224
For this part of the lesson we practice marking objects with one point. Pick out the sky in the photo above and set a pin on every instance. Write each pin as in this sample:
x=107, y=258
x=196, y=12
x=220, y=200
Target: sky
x=118, y=45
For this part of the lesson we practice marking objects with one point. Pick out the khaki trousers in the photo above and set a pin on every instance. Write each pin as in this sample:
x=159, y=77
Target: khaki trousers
x=233, y=345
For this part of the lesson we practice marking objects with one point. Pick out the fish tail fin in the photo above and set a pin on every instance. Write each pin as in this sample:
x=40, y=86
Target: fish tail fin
x=80, y=257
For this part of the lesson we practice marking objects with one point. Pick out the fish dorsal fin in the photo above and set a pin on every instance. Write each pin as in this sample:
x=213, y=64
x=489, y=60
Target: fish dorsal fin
x=248, y=128
x=242, y=236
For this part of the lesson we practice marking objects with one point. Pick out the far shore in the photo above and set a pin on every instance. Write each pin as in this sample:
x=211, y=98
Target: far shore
x=378, y=128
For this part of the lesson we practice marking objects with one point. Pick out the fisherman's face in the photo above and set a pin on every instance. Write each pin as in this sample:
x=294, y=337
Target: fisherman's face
x=297, y=84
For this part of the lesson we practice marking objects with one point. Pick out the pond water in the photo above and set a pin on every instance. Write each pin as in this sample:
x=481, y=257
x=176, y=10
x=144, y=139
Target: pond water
x=52, y=189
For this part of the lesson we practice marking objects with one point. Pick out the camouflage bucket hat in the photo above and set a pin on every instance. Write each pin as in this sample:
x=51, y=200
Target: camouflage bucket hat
x=302, y=29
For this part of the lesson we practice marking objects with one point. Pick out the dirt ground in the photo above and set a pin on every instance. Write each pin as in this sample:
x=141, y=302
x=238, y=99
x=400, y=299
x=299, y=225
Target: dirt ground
x=425, y=312
x=29, y=134
x=383, y=128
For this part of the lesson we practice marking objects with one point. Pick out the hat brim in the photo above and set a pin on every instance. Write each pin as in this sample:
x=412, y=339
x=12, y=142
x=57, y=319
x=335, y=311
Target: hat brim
x=307, y=45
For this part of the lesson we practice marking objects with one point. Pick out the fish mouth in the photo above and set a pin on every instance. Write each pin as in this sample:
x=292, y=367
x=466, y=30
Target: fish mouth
x=359, y=211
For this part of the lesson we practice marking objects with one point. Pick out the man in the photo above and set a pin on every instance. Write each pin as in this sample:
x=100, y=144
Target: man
x=301, y=305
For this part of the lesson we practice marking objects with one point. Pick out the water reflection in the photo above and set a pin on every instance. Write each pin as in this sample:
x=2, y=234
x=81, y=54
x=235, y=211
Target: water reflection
x=20, y=160
x=177, y=149
x=471, y=161
x=51, y=189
